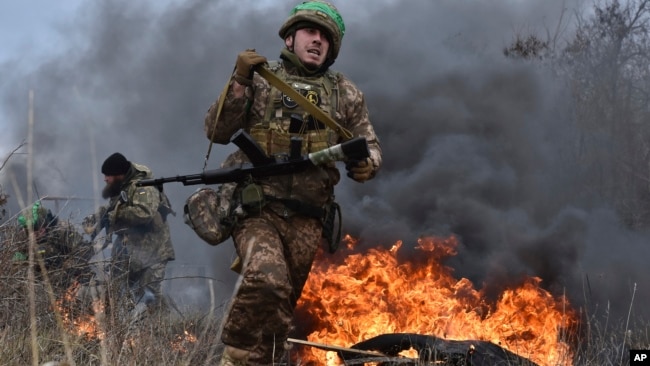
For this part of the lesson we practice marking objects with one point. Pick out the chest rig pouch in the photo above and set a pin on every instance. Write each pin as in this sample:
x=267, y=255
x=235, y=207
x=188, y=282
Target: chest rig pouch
x=284, y=118
x=251, y=197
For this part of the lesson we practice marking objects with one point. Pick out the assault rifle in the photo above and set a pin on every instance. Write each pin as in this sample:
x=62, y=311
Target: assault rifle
x=262, y=165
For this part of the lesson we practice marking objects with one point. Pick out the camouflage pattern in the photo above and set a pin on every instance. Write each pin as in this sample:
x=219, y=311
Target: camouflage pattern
x=277, y=246
x=335, y=27
x=152, y=276
x=64, y=251
x=63, y=245
x=275, y=131
x=316, y=185
x=207, y=213
x=142, y=232
x=277, y=254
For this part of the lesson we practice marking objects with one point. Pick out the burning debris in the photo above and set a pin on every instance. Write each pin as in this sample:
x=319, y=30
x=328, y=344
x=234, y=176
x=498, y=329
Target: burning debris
x=77, y=321
x=417, y=350
x=376, y=302
x=433, y=350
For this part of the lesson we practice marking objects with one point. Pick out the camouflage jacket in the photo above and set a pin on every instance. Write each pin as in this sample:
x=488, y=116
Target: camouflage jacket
x=138, y=224
x=65, y=253
x=61, y=243
x=314, y=186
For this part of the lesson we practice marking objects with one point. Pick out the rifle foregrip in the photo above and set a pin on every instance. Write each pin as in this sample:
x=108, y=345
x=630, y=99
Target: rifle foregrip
x=356, y=148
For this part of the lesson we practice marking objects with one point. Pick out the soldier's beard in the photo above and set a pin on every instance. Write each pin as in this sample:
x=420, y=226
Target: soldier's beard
x=112, y=190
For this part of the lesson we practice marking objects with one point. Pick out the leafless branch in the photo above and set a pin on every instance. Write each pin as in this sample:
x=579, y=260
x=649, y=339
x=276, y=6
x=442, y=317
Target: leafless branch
x=4, y=162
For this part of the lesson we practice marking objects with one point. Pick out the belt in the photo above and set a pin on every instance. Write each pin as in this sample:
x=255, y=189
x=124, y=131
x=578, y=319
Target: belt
x=299, y=207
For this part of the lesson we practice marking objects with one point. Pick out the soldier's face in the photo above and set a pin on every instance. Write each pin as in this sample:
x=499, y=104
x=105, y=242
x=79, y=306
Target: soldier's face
x=113, y=179
x=310, y=45
x=113, y=185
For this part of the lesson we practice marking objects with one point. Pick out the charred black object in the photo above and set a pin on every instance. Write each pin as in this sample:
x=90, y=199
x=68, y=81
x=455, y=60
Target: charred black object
x=437, y=351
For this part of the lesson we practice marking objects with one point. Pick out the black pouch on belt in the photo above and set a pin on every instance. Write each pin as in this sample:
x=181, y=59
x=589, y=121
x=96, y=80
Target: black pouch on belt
x=332, y=209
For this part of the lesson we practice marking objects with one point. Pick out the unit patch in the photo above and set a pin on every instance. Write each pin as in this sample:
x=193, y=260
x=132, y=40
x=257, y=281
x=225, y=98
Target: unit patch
x=288, y=102
x=311, y=96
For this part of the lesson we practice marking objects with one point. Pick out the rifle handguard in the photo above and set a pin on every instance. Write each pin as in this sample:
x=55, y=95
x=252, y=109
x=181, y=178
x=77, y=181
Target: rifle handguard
x=354, y=149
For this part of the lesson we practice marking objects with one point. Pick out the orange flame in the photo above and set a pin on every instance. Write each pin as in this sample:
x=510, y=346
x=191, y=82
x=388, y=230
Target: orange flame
x=181, y=341
x=86, y=325
x=372, y=293
x=80, y=324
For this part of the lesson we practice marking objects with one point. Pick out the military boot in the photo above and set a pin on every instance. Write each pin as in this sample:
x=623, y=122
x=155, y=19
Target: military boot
x=234, y=357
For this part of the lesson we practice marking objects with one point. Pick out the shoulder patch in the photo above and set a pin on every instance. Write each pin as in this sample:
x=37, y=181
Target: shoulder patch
x=288, y=102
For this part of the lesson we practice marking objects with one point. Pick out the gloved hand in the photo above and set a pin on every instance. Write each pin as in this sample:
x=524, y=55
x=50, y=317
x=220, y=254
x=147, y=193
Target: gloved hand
x=89, y=222
x=359, y=170
x=244, y=66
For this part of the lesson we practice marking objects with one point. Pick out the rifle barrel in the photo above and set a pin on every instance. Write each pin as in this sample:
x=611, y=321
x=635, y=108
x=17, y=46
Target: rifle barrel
x=185, y=179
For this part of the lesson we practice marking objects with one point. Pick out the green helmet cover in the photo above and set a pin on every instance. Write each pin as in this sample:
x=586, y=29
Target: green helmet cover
x=40, y=217
x=325, y=8
x=322, y=14
x=24, y=222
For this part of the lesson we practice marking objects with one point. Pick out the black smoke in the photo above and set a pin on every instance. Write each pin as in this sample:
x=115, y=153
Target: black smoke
x=475, y=144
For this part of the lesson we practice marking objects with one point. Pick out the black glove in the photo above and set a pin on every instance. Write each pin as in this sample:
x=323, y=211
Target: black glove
x=359, y=170
x=104, y=220
x=244, y=66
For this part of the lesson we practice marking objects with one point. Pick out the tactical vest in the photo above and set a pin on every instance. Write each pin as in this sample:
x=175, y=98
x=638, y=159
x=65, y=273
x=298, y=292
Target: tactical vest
x=284, y=118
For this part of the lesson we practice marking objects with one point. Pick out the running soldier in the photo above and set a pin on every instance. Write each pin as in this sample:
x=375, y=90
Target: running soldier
x=278, y=238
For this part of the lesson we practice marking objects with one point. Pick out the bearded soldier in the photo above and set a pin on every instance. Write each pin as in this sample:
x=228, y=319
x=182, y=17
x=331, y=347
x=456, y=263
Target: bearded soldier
x=137, y=216
x=279, y=235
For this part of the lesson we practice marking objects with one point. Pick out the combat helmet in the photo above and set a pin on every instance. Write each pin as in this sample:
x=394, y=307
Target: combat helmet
x=38, y=216
x=322, y=14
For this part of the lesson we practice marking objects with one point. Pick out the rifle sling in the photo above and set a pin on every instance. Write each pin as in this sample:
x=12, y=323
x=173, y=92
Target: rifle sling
x=288, y=90
x=222, y=98
x=303, y=102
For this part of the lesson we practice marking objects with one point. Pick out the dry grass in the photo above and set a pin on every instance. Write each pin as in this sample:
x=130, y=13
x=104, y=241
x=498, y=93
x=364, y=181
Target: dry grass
x=603, y=342
x=163, y=338
x=169, y=338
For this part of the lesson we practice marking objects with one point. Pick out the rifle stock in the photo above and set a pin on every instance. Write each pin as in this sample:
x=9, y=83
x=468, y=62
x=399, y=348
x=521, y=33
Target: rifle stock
x=264, y=166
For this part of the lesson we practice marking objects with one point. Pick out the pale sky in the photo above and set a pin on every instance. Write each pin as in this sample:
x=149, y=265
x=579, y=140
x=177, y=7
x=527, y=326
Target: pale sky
x=28, y=27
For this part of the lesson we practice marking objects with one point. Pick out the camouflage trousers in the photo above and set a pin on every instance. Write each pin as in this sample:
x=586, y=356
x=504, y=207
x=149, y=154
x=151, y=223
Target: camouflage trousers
x=278, y=254
x=143, y=275
x=146, y=284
